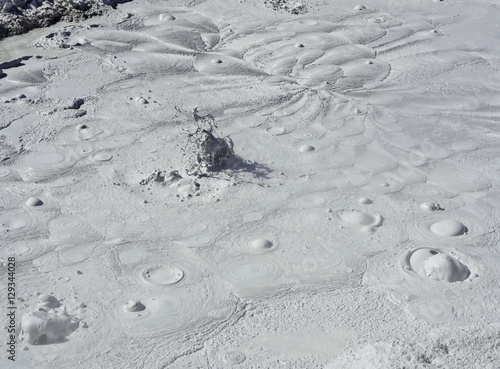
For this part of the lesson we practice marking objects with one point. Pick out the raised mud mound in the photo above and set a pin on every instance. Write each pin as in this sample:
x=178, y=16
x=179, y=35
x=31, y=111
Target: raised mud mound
x=20, y=16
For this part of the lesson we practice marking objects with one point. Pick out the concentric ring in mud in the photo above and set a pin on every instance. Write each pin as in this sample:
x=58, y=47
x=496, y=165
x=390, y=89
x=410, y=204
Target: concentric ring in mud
x=252, y=275
x=43, y=165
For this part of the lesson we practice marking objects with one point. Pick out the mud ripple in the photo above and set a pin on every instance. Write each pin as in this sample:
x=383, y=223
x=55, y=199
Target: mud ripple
x=8, y=174
x=233, y=357
x=460, y=178
x=72, y=228
x=43, y=165
x=252, y=275
x=182, y=311
x=26, y=249
x=16, y=225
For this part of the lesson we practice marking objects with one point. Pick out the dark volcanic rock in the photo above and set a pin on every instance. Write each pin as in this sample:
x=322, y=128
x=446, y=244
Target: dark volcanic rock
x=20, y=16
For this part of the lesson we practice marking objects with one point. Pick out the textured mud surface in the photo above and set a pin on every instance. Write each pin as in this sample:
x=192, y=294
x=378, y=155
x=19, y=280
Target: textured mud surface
x=349, y=221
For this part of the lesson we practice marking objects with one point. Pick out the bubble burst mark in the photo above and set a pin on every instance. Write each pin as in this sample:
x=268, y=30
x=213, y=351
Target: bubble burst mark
x=15, y=225
x=253, y=275
x=8, y=174
x=430, y=207
x=312, y=200
x=220, y=314
x=200, y=240
x=361, y=219
x=102, y=156
x=76, y=254
x=233, y=357
x=443, y=227
x=220, y=63
x=460, y=178
x=181, y=311
x=198, y=235
x=252, y=238
x=67, y=227
x=25, y=250
x=133, y=310
x=262, y=245
x=163, y=275
x=82, y=132
x=8, y=200
x=385, y=183
x=115, y=142
x=100, y=216
x=44, y=165
x=135, y=226
x=434, y=264
x=428, y=191
x=176, y=268
x=133, y=306
x=34, y=202
x=43, y=203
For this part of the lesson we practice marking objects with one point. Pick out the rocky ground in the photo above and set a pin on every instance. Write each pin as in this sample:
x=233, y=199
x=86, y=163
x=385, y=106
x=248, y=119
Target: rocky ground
x=20, y=16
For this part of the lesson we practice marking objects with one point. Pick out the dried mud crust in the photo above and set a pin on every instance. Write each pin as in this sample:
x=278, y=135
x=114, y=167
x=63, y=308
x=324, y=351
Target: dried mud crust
x=20, y=16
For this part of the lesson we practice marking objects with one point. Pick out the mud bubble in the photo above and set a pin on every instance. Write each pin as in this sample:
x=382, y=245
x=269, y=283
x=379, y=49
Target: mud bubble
x=434, y=264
